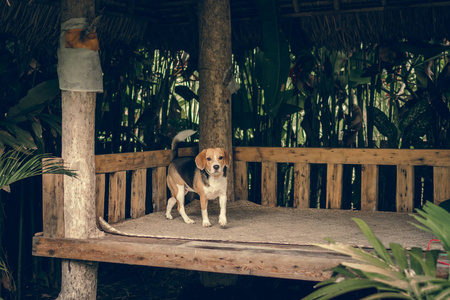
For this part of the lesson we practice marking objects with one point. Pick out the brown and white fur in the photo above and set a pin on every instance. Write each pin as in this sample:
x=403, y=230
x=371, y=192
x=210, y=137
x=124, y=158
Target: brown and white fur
x=204, y=175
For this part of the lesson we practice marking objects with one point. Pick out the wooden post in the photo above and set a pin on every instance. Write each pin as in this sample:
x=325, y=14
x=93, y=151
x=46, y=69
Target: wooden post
x=269, y=184
x=53, y=205
x=334, y=185
x=79, y=279
x=100, y=186
x=117, y=196
x=240, y=180
x=369, y=187
x=138, y=193
x=302, y=185
x=159, y=188
x=405, y=188
x=441, y=181
x=214, y=69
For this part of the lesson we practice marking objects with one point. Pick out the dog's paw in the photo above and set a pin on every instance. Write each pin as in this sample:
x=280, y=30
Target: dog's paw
x=222, y=221
x=206, y=223
x=169, y=217
x=189, y=221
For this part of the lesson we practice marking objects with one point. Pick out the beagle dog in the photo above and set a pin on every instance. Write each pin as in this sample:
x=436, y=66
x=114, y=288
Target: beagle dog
x=205, y=175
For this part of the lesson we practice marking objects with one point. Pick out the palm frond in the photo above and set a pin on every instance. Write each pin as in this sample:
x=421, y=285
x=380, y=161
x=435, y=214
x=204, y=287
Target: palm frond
x=15, y=166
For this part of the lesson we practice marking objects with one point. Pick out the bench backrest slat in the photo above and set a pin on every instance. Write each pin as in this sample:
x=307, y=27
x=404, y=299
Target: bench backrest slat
x=138, y=193
x=369, y=187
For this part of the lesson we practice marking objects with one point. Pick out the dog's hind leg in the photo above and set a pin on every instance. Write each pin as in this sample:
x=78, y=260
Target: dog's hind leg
x=172, y=201
x=180, y=198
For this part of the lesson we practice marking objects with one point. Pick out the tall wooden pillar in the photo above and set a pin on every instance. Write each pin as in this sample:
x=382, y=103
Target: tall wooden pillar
x=214, y=69
x=79, y=279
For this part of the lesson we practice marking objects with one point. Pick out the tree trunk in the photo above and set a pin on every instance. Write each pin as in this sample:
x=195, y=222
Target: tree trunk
x=79, y=279
x=214, y=69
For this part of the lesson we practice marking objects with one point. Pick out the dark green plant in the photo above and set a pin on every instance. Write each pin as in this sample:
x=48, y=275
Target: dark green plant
x=390, y=273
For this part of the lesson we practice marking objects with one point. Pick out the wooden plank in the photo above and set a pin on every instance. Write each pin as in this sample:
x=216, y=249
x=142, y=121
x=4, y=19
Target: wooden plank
x=100, y=189
x=408, y=157
x=441, y=181
x=302, y=185
x=369, y=187
x=159, y=188
x=240, y=180
x=117, y=194
x=138, y=193
x=53, y=205
x=334, y=185
x=280, y=261
x=405, y=188
x=110, y=163
x=269, y=184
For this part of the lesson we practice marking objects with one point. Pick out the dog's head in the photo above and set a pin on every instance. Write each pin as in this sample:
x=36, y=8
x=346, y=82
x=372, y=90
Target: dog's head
x=213, y=160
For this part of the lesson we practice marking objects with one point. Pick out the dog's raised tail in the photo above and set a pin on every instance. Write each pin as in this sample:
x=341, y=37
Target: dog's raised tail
x=181, y=136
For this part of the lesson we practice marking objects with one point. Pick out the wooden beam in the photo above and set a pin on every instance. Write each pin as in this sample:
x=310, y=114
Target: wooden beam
x=269, y=184
x=381, y=8
x=353, y=156
x=302, y=185
x=109, y=163
x=441, y=181
x=405, y=189
x=280, y=261
x=369, y=187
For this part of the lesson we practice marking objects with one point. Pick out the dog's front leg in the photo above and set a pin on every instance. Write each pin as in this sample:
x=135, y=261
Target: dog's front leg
x=204, y=206
x=223, y=211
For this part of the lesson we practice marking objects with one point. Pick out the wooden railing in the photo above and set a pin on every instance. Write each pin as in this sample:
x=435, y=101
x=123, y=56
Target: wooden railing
x=113, y=171
x=369, y=159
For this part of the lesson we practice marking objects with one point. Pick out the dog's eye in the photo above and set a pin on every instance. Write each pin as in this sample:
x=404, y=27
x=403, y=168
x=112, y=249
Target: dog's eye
x=220, y=157
x=208, y=158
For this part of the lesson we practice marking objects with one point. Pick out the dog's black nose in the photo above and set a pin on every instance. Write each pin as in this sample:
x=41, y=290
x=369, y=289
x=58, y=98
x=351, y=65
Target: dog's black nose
x=216, y=167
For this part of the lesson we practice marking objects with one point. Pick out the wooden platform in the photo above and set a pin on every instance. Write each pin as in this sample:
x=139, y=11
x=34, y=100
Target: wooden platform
x=261, y=241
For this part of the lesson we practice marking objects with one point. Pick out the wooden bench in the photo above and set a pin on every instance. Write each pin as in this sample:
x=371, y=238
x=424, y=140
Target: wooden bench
x=121, y=192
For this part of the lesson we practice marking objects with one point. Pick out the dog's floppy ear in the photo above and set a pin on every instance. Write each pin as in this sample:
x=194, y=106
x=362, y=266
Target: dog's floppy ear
x=226, y=157
x=200, y=160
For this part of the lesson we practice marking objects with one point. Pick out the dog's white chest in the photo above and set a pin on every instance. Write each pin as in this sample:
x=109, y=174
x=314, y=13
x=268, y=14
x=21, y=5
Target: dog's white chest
x=217, y=187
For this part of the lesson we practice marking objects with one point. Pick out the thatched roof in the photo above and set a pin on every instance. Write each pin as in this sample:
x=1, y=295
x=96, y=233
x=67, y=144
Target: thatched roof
x=172, y=24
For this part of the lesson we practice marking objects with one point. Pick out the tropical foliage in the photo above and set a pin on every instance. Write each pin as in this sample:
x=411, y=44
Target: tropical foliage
x=406, y=274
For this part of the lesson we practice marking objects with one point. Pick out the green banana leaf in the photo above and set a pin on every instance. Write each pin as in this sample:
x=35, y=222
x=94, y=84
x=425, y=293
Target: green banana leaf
x=36, y=96
x=275, y=62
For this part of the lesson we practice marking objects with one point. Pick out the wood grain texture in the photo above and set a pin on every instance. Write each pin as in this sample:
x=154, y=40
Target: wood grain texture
x=100, y=187
x=369, y=187
x=117, y=196
x=334, y=185
x=441, y=179
x=302, y=185
x=280, y=261
x=240, y=180
x=405, y=189
x=53, y=205
x=138, y=193
x=159, y=188
x=269, y=184
x=355, y=156
x=109, y=163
